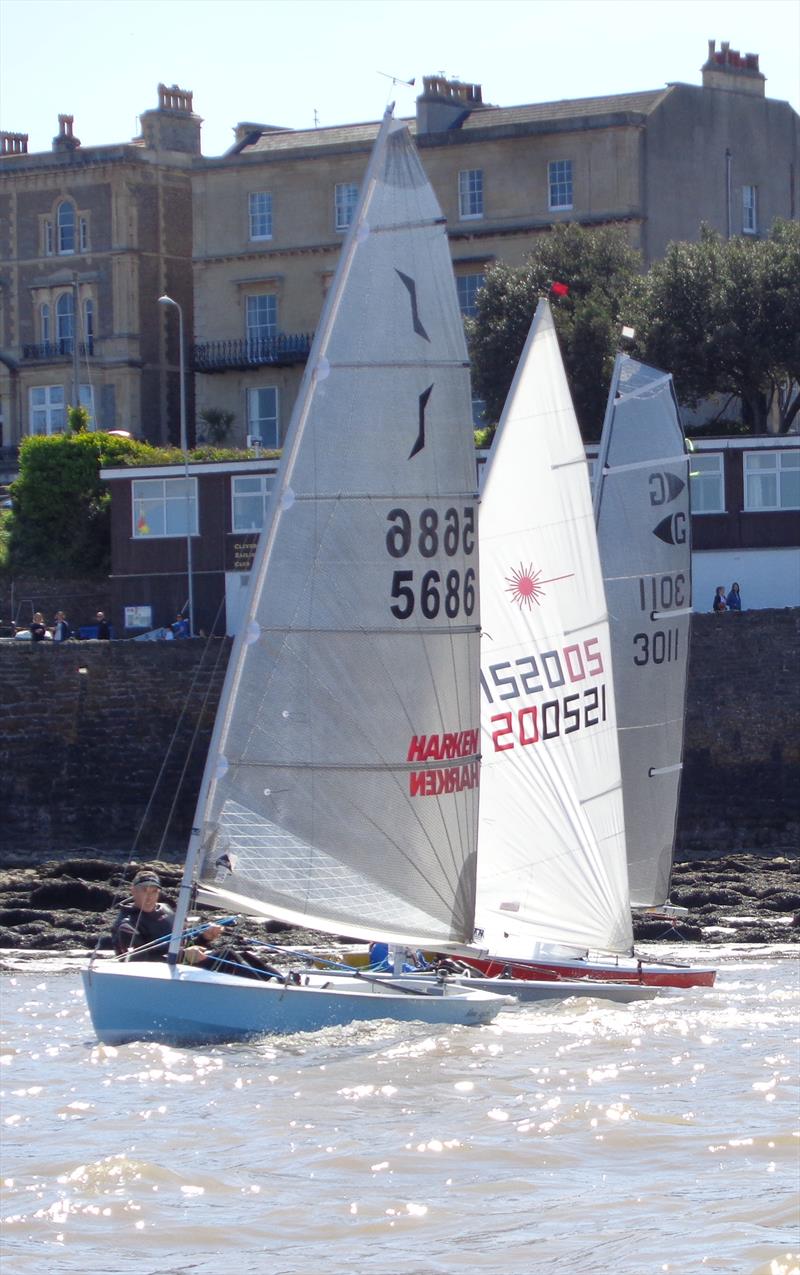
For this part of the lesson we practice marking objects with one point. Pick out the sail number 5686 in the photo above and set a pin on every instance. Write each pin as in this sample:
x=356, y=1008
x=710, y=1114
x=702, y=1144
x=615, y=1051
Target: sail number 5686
x=432, y=591
x=453, y=533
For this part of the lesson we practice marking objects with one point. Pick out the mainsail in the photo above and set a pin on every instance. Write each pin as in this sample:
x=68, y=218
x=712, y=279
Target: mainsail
x=551, y=857
x=341, y=788
x=643, y=528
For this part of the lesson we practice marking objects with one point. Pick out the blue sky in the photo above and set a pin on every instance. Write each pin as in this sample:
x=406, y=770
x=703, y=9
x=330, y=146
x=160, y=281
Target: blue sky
x=282, y=61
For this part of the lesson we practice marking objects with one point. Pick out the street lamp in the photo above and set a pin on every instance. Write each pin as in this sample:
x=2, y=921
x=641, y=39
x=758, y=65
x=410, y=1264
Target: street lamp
x=165, y=300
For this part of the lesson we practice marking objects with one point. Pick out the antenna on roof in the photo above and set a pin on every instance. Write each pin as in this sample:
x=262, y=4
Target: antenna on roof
x=395, y=80
x=316, y=118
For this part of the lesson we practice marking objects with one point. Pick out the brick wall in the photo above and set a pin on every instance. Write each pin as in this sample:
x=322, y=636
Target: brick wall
x=80, y=752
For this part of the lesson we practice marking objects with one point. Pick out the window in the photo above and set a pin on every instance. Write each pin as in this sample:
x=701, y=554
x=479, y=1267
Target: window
x=479, y=420
x=250, y=495
x=65, y=322
x=48, y=238
x=345, y=200
x=749, y=210
x=88, y=325
x=86, y=393
x=467, y=286
x=65, y=218
x=772, y=480
x=261, y=215
x=83, y=227
x=707, y=483
x=470, y=193
x=161, y=506
x=262, y=316
x=559, y=180
x=262, y=415
x=44, y=323
x=47, y=409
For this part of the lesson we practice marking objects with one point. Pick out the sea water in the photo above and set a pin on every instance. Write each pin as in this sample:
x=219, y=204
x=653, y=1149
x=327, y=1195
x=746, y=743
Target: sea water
x=575, y=1137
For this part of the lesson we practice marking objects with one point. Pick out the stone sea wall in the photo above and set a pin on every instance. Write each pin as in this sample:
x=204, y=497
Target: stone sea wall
x=85, y=729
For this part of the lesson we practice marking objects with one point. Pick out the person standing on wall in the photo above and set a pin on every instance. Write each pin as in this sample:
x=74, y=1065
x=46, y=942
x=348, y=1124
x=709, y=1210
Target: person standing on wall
x=719, y=599
x=103, y=627
x=734, y=598
x=38, y=630
x=61, y=630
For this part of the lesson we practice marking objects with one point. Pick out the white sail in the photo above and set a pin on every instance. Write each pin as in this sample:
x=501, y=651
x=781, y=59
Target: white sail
x=643, y=529
x=342, y=790
x=551, y=857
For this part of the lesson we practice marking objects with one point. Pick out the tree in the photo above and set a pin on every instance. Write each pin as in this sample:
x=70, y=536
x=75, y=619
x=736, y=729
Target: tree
x=721, y=315
x=217, y=423
x=601, y=271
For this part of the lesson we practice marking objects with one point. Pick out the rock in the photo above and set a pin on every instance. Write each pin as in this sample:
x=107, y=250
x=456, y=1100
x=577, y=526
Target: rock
x=72, y=894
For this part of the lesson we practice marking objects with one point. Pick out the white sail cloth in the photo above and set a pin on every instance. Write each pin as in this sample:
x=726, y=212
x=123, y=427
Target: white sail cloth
x=644, y=533
x=551, y=857
x=342, y=783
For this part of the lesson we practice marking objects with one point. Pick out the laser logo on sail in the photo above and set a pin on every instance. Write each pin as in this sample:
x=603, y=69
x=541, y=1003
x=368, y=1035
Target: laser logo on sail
x=526, y=585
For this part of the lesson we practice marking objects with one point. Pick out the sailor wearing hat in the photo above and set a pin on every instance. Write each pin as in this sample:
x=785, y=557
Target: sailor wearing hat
x=143, y=922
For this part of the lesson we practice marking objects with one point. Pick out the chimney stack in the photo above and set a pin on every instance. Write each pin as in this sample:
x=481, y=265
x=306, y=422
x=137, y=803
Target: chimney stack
x=66, y=140
x=729, y=69
x=13, y=143
x=172, y=126
x=445, y=104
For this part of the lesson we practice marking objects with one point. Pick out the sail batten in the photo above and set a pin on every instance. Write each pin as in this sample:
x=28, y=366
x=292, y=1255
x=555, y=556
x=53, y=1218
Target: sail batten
x=644, y=532
x=551, y=833
x=345, y=769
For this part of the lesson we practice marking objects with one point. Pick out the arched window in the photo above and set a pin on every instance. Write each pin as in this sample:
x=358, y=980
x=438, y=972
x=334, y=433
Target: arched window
x=66, y=227
x=88, y=325
x=65, y=322
x=44, y=323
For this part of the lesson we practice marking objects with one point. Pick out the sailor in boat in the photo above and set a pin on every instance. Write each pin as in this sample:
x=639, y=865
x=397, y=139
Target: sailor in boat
x=143, y=927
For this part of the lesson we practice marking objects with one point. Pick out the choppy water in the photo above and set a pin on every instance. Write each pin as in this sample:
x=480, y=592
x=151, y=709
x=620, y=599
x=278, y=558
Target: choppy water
x=582, y=1137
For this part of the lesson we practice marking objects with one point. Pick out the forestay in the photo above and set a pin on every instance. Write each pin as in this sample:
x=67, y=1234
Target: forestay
x=342, y=782
x=551, y=858
x=643, y=528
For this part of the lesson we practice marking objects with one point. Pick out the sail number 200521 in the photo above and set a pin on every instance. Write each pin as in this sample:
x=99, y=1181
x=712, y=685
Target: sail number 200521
x=432, y=590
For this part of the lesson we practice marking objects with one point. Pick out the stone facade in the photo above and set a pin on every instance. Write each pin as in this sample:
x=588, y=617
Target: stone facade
x=90, y=237
x=84, y=730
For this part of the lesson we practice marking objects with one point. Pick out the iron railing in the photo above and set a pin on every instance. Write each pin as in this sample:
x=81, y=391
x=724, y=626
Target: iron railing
x=224, y=356
x=57, y=349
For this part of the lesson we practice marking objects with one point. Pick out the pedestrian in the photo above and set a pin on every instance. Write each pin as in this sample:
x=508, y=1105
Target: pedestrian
x=61, y=630
x=180, y=627
x=719, y=599
x=734, y=598
x=103, y=627
x=38, y=630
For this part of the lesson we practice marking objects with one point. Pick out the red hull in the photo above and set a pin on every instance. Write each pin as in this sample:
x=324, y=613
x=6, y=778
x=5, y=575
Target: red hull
x=650, y=975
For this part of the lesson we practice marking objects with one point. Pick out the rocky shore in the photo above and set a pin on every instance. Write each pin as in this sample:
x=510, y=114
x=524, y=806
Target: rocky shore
x=68, y=904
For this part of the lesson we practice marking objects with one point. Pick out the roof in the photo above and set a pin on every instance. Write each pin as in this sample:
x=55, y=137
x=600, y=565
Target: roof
x=480, y=118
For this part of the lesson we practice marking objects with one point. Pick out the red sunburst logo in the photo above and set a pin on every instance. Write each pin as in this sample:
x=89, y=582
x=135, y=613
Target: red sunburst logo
x=525, y=585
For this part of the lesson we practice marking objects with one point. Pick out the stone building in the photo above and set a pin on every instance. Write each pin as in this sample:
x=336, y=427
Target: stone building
x=90, y=237
x=270, y=215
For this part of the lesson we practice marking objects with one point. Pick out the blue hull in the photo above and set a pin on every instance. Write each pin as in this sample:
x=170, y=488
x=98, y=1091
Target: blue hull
x=182, y=1005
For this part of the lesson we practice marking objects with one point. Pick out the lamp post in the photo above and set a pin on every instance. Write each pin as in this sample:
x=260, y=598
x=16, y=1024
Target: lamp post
x=165, y=300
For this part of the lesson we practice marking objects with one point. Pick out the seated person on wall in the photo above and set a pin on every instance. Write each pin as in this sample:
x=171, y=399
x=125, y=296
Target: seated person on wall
x=142, y=920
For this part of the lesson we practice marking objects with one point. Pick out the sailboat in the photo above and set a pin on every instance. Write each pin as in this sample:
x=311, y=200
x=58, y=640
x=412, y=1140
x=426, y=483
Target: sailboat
x=553, y=890
x=641, y=501
x=341, y=787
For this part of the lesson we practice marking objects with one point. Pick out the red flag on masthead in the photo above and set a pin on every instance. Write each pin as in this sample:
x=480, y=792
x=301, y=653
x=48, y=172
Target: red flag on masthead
x=559, y=289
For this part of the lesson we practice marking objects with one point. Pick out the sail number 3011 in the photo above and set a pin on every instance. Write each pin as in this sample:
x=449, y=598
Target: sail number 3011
x=432, y=591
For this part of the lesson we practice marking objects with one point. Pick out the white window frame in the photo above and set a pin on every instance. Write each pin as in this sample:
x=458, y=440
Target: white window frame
x=256, y=423
x=783, y=462
x=560, y=188
x=749, y=210
x=88, y=324
x=345, y=200
x=47, y=407
x=709, y=479
x=147, y=494
x=470, y=194
x=83, y=234
x=259, y=207
x=48, y=238
x=246, y=491
x=467, y=288
x=259, y=329
x=44, y=323
x=65, y=250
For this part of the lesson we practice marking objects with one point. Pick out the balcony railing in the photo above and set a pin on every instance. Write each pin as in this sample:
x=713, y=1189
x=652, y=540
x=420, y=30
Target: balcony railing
x=279, y=351
x=57, y=349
